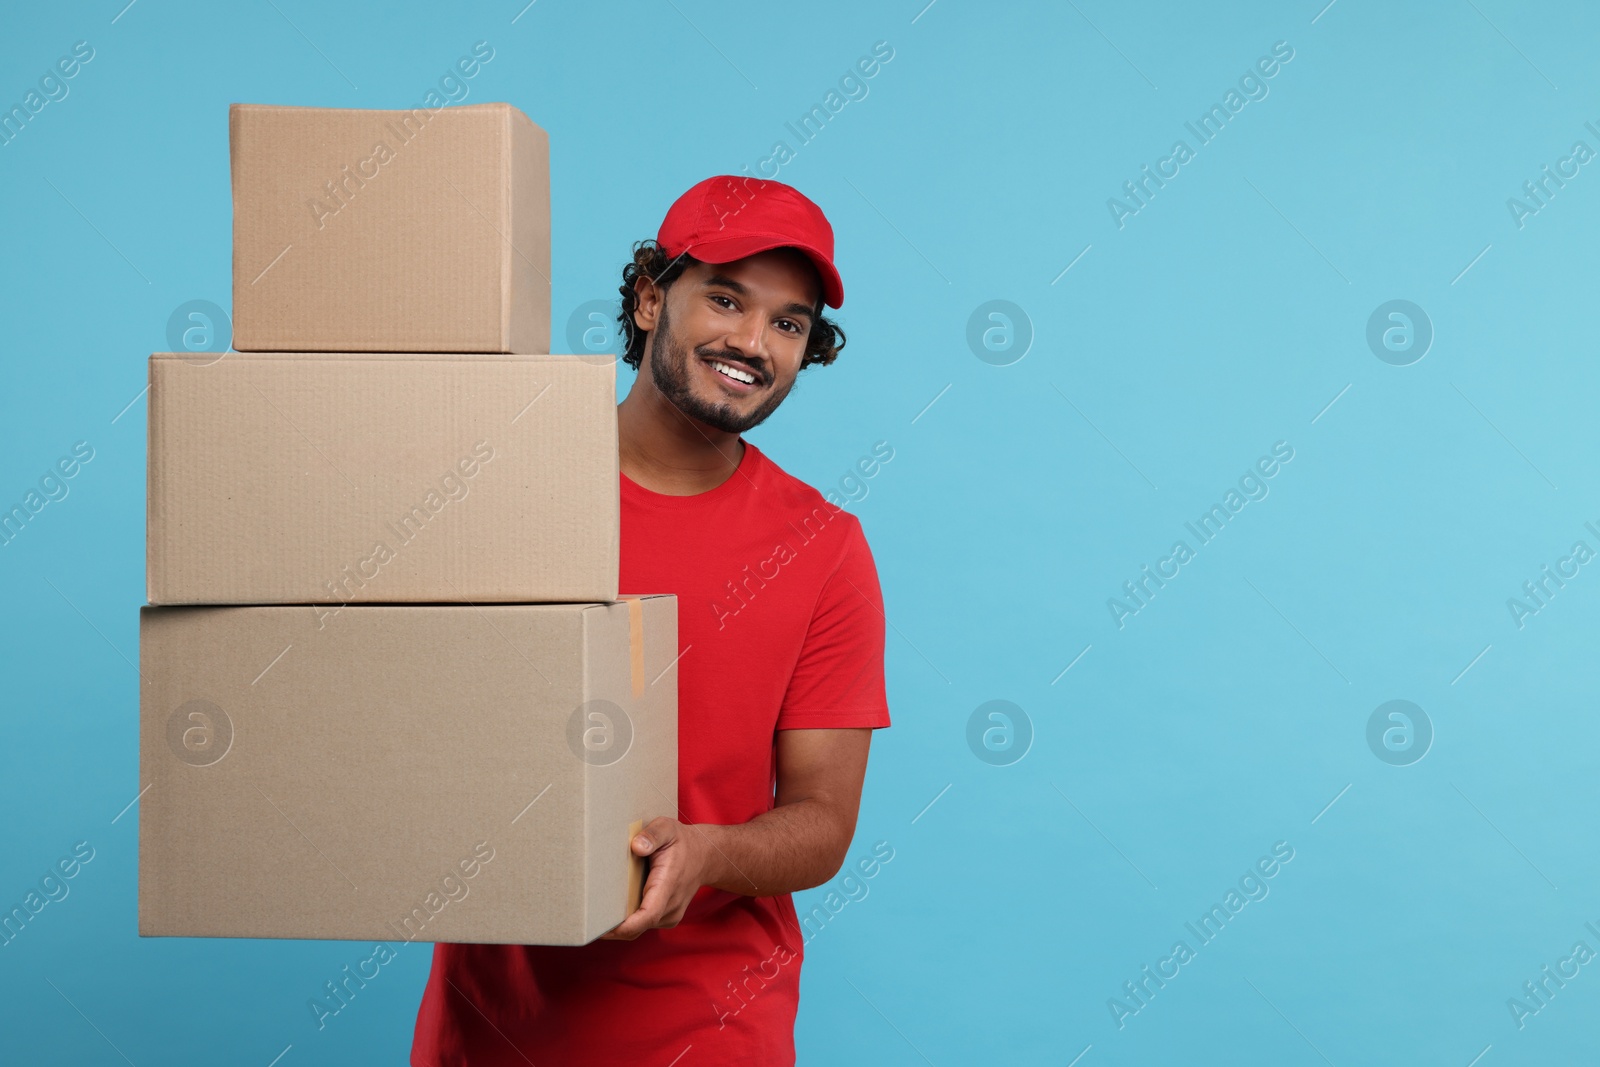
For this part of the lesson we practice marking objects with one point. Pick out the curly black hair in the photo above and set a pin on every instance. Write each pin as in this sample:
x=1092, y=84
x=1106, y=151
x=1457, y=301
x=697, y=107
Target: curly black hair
x=823, y=343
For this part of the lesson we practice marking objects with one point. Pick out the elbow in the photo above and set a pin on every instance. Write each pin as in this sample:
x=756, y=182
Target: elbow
x=832, y=856
x=831, y=865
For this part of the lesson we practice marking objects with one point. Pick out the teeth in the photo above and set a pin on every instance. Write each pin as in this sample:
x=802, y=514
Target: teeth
x=735, y=373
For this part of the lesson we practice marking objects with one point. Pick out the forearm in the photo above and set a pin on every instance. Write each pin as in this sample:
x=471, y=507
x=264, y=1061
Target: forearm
x=792, y=847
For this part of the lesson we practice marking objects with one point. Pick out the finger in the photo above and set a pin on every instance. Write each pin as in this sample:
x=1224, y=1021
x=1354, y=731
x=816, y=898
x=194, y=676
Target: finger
x=652, y=903
x=630, y=928
x=627, y=929
x=659, y=833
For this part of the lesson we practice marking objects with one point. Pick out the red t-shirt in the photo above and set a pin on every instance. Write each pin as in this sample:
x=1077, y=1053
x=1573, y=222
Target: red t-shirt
x=780, y=626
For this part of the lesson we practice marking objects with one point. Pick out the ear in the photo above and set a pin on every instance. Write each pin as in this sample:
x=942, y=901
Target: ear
x=647, y=312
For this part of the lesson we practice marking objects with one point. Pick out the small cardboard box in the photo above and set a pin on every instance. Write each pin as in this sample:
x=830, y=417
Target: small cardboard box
x=441, y=773
x=327, y=479
x=390, y=231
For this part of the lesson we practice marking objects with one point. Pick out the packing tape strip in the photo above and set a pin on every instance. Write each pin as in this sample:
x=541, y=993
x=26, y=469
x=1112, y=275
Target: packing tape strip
x=636, y=871
x=636, y=642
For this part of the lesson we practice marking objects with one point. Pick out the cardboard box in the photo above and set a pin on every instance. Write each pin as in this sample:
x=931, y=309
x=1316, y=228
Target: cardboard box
x=390, y=231
x=442, y=773
x=326, y=479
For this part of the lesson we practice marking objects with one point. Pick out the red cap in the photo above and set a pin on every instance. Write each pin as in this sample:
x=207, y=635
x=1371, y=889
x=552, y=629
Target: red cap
x=729, y=217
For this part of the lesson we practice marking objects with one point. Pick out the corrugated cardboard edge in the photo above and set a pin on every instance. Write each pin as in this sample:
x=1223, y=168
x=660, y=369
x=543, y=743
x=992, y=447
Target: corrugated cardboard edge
x=505, y=210
x=649, y=793
x=529, y=321
x=155, y=561
x=614, y=473
x=146, y=889
x=245, y=341
x=636, y=870
x=141, y=890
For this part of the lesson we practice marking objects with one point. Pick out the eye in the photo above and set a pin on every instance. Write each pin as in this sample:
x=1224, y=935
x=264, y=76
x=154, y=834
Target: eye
x=790, y=326
x=719, y=296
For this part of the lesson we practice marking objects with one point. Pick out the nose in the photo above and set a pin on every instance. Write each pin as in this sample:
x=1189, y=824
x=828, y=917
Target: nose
x=748, y=337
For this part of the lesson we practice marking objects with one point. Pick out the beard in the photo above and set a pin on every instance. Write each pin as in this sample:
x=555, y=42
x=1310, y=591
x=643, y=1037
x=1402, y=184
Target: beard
x=669, y=367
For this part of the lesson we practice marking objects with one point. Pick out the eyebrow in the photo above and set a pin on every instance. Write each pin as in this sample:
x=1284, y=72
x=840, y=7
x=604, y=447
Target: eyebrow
x=726, y=282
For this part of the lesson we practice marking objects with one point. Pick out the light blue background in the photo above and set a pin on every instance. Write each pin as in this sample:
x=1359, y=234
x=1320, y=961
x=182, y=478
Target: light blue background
x=1223, y=317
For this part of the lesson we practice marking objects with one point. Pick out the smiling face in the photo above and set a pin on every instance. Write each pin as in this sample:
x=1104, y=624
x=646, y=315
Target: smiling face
x=727, y=340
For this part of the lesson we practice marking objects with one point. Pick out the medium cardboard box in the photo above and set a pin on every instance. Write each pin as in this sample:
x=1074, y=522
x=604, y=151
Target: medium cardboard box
x=390, y=231
x=441, y=773
x=326, y=479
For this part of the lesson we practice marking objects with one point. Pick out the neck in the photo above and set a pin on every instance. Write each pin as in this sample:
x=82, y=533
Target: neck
x=668, y=452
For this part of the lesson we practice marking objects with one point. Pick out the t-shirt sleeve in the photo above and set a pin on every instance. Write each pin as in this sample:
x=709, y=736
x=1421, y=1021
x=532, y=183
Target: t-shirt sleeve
x=838, y=679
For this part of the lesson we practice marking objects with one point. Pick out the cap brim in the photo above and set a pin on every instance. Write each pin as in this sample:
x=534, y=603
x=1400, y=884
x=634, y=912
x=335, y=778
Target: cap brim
x=732, y=248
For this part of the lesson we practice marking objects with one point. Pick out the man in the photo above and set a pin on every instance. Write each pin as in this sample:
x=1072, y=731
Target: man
x=780, y=675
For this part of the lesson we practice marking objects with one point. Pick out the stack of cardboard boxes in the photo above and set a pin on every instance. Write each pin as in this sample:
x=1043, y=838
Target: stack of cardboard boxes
x=389, y=690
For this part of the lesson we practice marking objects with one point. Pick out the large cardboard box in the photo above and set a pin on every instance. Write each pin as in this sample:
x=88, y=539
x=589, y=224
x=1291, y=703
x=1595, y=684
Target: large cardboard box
x=443, y=773
x=327, y=479
x=390, y=231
